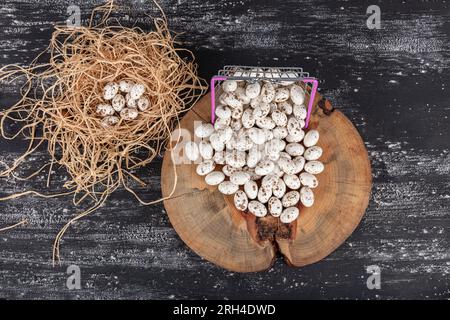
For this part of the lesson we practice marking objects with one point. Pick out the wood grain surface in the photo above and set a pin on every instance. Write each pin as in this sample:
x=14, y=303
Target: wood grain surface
x=209, y=223
x=393, y=84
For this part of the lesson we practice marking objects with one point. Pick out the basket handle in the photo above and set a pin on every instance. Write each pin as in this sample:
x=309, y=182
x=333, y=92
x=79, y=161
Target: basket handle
x=213, y=95
x=312, y=95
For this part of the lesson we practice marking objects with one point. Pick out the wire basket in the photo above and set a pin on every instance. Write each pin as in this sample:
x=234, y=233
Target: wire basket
x=273, y=74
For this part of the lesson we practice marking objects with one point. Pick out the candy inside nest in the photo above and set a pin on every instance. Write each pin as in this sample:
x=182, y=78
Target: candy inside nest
x=59, y=101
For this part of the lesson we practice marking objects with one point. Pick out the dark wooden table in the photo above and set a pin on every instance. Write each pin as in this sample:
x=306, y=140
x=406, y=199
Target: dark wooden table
x=393, y=83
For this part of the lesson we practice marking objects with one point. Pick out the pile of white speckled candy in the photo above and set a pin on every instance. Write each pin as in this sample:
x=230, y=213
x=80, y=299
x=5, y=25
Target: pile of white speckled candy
x=257, y=148
x=124, y=100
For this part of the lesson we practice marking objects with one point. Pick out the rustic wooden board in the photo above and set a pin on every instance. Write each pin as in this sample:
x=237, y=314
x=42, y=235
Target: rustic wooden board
x=208, y=222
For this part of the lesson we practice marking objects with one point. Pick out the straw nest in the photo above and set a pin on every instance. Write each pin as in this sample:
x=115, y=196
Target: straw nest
x=59, y=98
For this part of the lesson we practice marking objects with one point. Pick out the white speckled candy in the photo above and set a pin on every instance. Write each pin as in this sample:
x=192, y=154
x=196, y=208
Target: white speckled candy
x=104, y=110
x=297, y=94
x=295, y=149
x=253, y=90
x=279, y=118
x=236, y=113
x=143, y=103
x=137, y=91
x=293, y=125
x=275, y=206
x=109, y=121
x=289, y=215
x=280, y=132
x=261, y=111
x=292, y=181
x=306, y=196
x=228, y=187
x=131, y=103
x=125, y=86
x=224, y=134
x=110, y=90
x=299, y=162
x=269, y=181
x=295, y=137
x=264, y=167
x=248, y=120
x=240, y=200
x=118, y=102
x=265, y=123
x=313, y=153
x=191, y=151
x=281, y=94
x=257, y=208
x=290, y=166
x=241, y=96
x=253, y=157
x=267, y=92
x=311, y=138
x=229, y=85
x=259, y=140
x=223, y=112
x=228, y=170
x=251, y=189
x=205, y=167
x=314, y=167
x=235, y=124
x=300, y=111
x=206, y=150
x=214, y=178
x=264, y=194
x=285, y=107
x=308, y=180
x=231, y=100
x=240, y=177
x=290, y=199
x=235, y=158
x=279, y=189
x=243, y=142
x=216, y=142
x=204, y=130
x=129, y=114
x=219, y=157
x=257, y=136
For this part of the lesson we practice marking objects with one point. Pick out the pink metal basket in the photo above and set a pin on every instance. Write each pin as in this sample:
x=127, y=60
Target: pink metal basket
x=274, y=74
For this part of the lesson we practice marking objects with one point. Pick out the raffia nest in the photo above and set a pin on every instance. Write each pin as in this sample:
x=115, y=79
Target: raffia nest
x=59, y=98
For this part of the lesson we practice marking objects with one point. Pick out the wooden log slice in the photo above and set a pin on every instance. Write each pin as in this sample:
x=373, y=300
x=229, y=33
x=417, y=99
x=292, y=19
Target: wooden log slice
x=209, y=224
